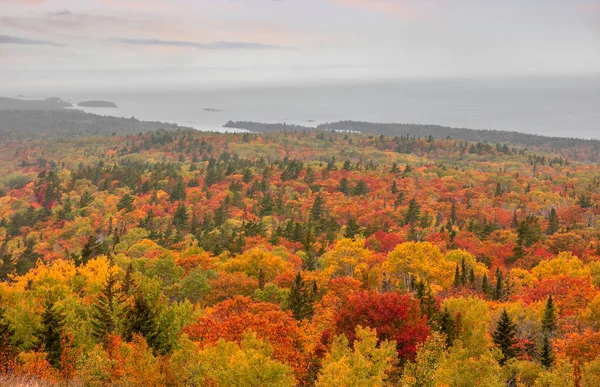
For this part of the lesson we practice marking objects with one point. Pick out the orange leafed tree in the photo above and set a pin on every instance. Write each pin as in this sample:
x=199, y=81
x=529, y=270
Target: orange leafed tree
x=230, y=319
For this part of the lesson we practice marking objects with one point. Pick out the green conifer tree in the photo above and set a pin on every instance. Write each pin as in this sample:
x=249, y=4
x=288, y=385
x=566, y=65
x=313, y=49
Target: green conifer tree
x=505, y=337
x=299, y=301
x=141, y=319
x=456, y=276
x=316, y=212
x=546, y=353
x=352, y=228
x=49, y=335
x=549, y=317
x=553, y=222
x=105, y=310
x=499, y=291
x=485, y=286
x=413, y=213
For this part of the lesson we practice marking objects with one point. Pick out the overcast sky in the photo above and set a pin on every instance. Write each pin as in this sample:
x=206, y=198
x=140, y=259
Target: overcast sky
x=240, y=42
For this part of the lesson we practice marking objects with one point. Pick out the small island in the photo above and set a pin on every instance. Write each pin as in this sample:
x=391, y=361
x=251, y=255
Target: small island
x=211, y=110
x=97, y=104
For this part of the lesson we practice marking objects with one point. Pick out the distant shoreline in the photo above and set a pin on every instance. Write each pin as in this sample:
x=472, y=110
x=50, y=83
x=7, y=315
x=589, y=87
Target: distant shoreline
x=98, y=104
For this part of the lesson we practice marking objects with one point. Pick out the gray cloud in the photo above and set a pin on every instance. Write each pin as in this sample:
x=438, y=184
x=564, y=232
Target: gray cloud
x=5, y=39
x=64, y=12
x=220, y=45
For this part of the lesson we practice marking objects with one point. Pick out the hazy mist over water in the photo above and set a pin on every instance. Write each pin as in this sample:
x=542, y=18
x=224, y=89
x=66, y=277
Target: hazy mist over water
x=549, y=106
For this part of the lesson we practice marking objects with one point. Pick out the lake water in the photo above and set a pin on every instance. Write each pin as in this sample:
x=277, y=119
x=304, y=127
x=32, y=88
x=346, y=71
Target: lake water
x=549, y=106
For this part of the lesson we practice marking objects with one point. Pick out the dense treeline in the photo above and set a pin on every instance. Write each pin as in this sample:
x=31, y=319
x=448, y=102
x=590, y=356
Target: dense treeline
x=17, y=125
x=574, y=148
x=51, y=103
x=298, y=258
x=260, y=127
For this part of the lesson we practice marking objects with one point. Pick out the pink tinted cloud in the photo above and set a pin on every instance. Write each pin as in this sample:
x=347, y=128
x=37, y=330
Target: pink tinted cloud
x=22, y=2
x=589, y=7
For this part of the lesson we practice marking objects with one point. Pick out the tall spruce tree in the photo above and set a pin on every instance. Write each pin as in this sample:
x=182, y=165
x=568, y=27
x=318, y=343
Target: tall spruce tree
x=549, y=317
x=50, y=334
x=463, y=272
x=456, y=276
x=485, y=285
x=505, y=337
x=553, y=222
x=128, y=281
x=299, y=299
x=105, y=310
x=499, y=291
x=413, y=213
x=352, y=228
x=140, y=319
x=546, y=353
x=180, y=217
x=316, y=212
x=449, y=326
x=91, y=249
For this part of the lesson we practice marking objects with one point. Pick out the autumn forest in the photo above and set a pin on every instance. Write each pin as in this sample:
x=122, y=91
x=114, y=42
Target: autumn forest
x=299, y=258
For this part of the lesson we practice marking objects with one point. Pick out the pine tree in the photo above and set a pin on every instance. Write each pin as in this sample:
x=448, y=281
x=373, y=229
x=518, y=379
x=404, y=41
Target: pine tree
x=361, y=189
x=505, y=337
x=414, y=211
x=553, y=222
x=267, y=205
x=178, y=192
x=104, y=312
x=128, y=281
x=413, y=234
x=547, y=353
x=180, y=217
x=344, y=187
x=91, y=249
x=485, y=286
x=352, y=228
x=457, y=277
x=141, y=320
x=549, y=317
x=399, y=199
x=499, y=190
x=499, y=291
x=49, y=336
x=125, y=203
x=298, y=301
x=449, y=326
x=316, y=212
x=427, y=300
x=463, y=272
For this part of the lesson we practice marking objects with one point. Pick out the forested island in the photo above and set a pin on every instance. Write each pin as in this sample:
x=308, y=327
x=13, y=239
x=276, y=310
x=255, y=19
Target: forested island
x=97, y=104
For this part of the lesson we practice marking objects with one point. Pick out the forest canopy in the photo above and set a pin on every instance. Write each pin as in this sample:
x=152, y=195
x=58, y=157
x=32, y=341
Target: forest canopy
x=177, y=257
